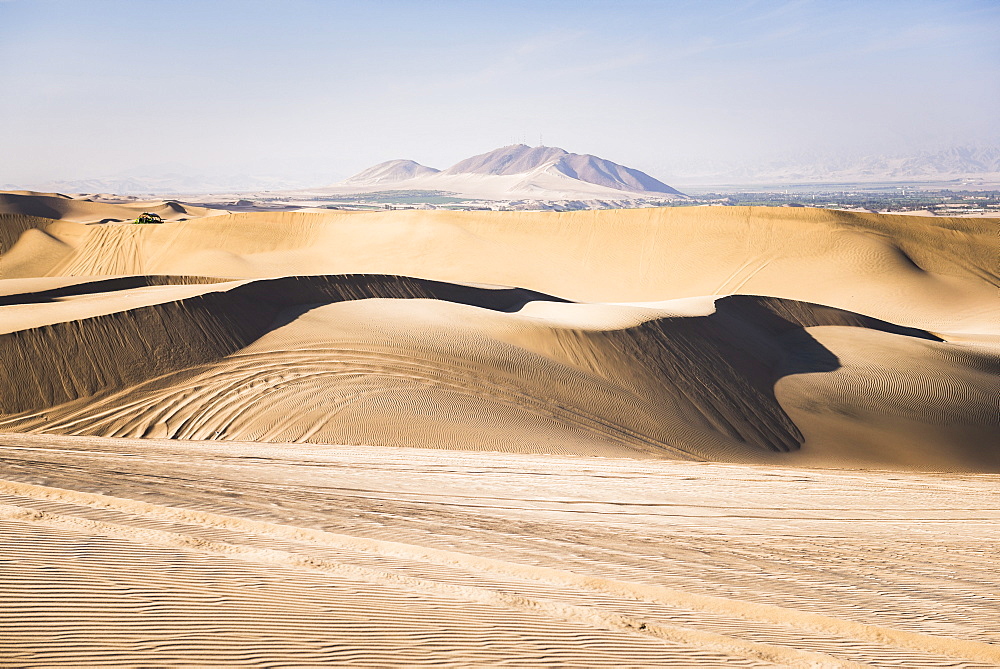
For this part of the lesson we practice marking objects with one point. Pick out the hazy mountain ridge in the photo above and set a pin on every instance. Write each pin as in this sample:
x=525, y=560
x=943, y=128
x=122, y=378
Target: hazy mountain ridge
x=519, y=170
x=951, y=162
x=959, y=162
x=391, y=171
x=507, y=160
x=163, y=184
x=606, y=173
x=530, y=171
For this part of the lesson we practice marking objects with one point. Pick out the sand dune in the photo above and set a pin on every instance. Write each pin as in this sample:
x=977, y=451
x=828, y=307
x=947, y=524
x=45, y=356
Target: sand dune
x=395, y=361
x=83, y=210
x=608, y=347
x=166, y=552
x=935, y=274
x=205, y=431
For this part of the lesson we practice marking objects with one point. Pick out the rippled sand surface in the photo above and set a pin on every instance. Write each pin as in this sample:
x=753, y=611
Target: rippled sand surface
x=157, y=552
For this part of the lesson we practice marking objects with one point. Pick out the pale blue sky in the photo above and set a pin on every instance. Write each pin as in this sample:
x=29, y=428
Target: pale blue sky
x=319, y=90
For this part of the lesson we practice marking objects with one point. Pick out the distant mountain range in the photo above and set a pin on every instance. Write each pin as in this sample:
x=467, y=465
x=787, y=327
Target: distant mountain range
x=390, y=172
x=162, y=180
x=955, y=163
x=550, y=173
x=516, y=171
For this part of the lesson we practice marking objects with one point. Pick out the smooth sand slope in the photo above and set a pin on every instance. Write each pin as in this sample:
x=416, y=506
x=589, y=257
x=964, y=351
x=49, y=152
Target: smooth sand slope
x=898, y=369
x=396, y=361
x=165, y=553
x=939, y=272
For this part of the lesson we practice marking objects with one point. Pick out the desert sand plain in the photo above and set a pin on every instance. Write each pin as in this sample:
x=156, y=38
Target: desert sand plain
x=680, y=436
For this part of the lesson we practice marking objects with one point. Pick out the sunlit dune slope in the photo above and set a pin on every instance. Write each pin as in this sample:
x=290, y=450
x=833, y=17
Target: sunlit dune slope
x=940, y=274
x=741, y=334
x=85, y=210
x=455, y=366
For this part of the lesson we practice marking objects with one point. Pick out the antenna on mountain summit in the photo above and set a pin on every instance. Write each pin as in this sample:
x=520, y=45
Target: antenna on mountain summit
x=540, y=142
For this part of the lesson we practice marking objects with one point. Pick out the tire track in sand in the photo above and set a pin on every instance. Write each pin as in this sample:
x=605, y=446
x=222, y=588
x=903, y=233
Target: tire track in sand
x=594, y=617
x=749, y=611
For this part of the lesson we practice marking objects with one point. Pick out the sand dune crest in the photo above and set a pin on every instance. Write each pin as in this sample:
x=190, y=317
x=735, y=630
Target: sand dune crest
x=395, y=361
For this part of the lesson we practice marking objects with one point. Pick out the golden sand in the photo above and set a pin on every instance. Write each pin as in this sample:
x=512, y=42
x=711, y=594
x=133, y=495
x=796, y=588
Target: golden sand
x=229, y=405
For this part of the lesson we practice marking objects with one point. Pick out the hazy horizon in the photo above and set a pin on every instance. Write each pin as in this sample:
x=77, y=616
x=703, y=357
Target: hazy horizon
x=311, y=90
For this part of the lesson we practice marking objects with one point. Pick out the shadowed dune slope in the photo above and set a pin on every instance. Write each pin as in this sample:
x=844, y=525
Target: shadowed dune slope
x=384, y=360
x=161, y=334
x=676, y=332
x=53, y=289
x=28, y=250
x=13, y=226
x=82, y=210
x=939, y=274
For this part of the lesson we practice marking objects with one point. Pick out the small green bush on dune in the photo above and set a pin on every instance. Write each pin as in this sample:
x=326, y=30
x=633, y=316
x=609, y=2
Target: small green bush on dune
x=146, y=218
